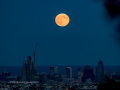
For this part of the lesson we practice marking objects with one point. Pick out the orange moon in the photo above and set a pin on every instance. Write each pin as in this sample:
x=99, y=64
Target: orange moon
x=62, y=19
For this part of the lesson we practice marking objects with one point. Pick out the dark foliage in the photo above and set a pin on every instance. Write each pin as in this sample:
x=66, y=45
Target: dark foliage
x=113, y=12
x=113, y=8
x=110, y=84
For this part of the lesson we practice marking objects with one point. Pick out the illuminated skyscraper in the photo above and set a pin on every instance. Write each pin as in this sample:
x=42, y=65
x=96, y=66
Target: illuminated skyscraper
x=100, y=72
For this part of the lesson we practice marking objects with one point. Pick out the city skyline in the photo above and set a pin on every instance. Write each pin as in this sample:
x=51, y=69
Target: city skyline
x=84, y=41
x=86, y=77
x=83, y=73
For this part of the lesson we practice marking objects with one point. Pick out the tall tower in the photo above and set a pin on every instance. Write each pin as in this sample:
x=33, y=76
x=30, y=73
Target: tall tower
x=69, y=72
x=28, y=68
x=100, y=72
x=24, y=71
x=35, y=70
x=32, y=71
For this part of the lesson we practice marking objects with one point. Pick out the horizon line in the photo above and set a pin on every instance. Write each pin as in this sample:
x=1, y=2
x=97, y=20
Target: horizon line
x=61, y=65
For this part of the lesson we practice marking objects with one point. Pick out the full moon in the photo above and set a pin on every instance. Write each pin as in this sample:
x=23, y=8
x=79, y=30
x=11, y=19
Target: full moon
x=62, y=19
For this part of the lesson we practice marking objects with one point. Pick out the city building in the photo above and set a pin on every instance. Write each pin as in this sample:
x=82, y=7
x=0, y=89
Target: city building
x=64, y=78
x=88, y=73
x=86, y=67
x=58, y=77
x=12, y=78
x=37, y=77
x=80, y=74
x=116, y=77
x=33, y=71
x=88, y=80
x=4, y=74
x=95, y=73
x=28, y=68
x=52, y=71
x=43, y=78
x=69, y=72
x=24, y=69
x=100, y=72
x=106, y=73
x=55, y=67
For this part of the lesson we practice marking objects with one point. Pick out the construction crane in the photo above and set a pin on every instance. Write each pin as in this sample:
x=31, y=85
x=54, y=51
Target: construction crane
x=35, y=52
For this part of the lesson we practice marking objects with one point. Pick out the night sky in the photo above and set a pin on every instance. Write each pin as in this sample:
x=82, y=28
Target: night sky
x=84, y=41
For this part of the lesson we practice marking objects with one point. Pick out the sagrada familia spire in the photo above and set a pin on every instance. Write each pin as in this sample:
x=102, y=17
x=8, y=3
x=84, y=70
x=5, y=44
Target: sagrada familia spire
x=28, y=69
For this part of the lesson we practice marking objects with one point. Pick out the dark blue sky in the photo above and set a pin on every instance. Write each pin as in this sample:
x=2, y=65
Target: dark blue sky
x=84, y=41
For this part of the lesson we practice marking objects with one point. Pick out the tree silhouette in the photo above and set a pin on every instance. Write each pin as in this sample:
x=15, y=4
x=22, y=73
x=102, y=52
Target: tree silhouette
x=110, y=84
x=112, y=8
